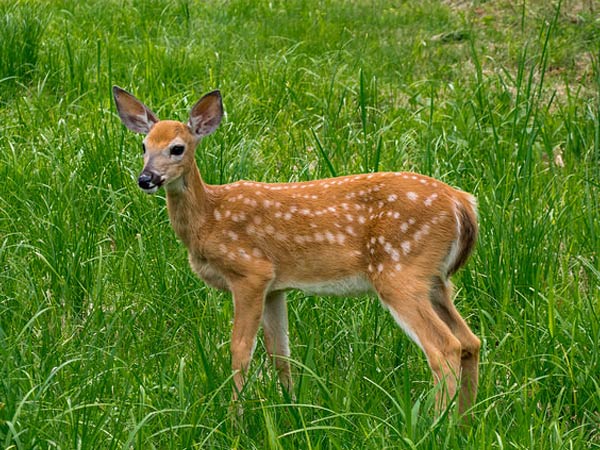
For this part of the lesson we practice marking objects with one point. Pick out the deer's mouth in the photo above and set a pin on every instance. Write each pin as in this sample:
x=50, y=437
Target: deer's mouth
x=149, y=182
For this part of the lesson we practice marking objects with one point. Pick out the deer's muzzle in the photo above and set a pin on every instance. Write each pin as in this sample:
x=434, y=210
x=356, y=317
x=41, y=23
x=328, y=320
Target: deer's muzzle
x=149, y=182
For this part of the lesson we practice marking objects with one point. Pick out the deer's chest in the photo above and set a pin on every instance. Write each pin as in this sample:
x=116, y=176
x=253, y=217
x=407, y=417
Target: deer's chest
x=208, y=272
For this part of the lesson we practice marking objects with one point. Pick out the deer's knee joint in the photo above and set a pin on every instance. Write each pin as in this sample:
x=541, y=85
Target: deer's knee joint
x=471, y=348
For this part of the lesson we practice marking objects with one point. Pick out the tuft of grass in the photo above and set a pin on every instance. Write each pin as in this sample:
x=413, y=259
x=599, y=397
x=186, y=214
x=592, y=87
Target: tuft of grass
x=21, y=32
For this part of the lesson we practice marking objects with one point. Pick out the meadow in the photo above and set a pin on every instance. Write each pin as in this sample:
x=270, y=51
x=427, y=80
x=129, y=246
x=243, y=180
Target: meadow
x=109, y=341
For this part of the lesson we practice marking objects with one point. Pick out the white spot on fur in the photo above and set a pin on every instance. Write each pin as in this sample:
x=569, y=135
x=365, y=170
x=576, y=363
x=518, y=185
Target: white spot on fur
x=422, y=232
x=392, y=198
x=429, y=200
x=217, y=214
x=405, y=247
x=412, y=196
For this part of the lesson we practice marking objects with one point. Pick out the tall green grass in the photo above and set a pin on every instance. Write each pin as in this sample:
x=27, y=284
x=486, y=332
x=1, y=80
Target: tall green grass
x=107, y=340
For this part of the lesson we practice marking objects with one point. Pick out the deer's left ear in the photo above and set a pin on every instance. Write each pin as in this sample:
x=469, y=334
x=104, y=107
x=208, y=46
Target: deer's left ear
x=134, y=114
x=206, y=115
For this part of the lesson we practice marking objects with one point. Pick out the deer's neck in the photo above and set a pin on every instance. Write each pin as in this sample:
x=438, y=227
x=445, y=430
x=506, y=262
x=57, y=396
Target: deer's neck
x=188, y=203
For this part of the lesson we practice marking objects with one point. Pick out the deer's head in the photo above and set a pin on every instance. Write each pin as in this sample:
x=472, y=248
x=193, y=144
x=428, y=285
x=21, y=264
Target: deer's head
x=169, y=145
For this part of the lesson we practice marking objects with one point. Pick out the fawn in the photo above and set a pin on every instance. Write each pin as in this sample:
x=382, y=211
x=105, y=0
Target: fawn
x=399, y=235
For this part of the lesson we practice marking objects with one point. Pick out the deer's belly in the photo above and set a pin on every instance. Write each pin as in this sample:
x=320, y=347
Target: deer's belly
x=351, y=285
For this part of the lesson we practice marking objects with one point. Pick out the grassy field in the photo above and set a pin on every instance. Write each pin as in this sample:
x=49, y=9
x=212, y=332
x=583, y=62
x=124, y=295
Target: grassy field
x=107, y=339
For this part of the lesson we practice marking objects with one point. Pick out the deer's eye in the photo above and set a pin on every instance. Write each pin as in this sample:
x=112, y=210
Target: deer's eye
x=177, y=150
x=143, y=148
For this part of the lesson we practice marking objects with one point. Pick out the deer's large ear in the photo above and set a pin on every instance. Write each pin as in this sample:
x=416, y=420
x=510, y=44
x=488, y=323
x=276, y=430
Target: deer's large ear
x=134, y=114
x=206, y=115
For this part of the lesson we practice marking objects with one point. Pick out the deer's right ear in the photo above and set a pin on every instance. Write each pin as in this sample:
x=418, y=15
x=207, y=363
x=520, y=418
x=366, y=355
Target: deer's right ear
x=134, y=114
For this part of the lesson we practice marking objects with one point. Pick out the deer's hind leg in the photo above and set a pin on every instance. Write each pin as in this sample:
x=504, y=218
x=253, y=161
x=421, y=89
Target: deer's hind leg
x=407, y=298
x=441, y=299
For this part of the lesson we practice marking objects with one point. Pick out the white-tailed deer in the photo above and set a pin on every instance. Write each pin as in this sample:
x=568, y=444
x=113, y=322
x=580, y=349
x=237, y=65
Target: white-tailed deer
x=399, y=235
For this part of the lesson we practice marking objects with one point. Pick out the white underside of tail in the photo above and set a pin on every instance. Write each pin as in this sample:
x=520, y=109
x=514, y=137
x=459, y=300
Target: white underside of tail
x=455, y=247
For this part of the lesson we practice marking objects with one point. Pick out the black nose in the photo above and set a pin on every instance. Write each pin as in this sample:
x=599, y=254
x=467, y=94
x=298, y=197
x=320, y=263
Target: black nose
x=145, y=181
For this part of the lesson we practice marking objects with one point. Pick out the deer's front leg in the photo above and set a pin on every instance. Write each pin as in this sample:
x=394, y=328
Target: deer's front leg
x=275, y=326
x=248, y=301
